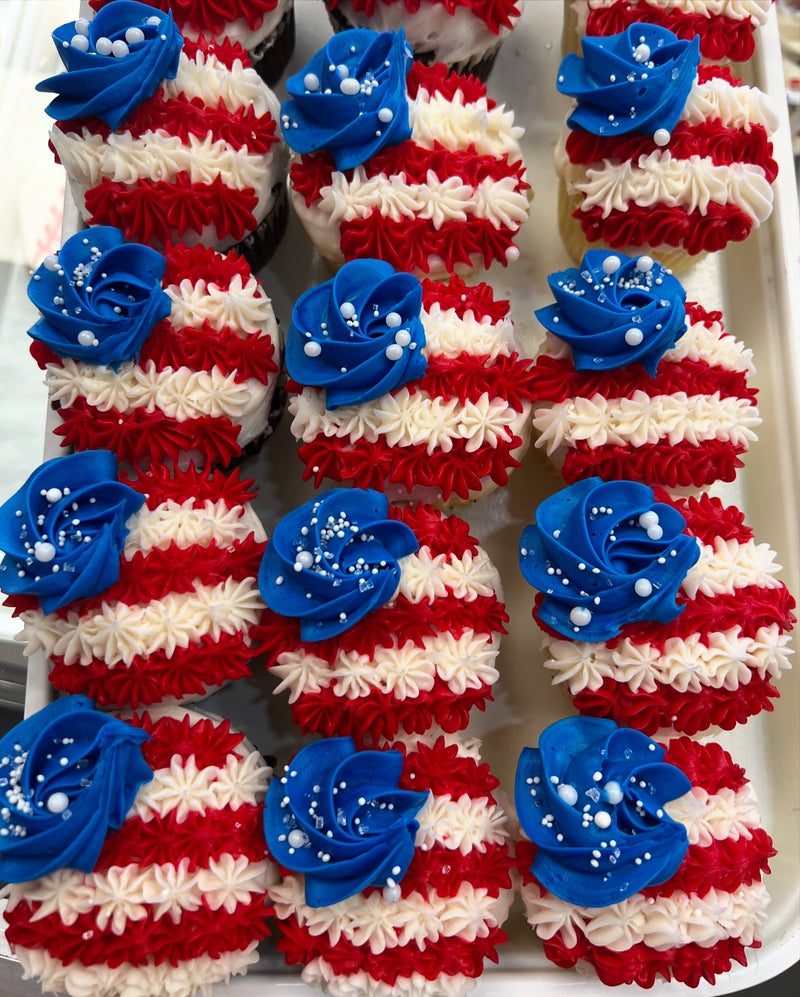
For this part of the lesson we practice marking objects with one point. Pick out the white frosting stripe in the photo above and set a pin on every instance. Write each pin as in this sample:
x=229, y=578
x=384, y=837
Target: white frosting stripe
x=462, y=825
x=460, y=124
x=460, y=663
x=188, y=524
x=710, y=817
x=661, y=922
x=734, y=107
x=132, y=893
x=88, y=158
x=183, y=980
x=405, y=418
x=319, y=973
x=440, y=199
x=180, y=394
x=117, y=634
x=645, y=419
x=185, y=788
x=425, y=577
x=449, y=334
x=729, y=565
x=241, y=306
x=691, y=184
x=713, y=660
x=210, y=80
x=755, y=11
x=371, y=920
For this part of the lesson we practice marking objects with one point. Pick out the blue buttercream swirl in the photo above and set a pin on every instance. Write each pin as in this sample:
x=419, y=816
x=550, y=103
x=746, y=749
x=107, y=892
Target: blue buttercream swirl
x=62, y=533
x=333, y=560
x=114, y=62
x=636, y=81
x=615, y=310
x=605, y=554
x=68, y=774
x=358, y=335
x=99, y=297
x=591, y=797
x=338, y=817
x=351, y=97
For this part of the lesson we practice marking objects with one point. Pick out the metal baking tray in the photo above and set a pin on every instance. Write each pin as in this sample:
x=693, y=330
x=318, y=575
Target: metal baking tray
x=756, y=285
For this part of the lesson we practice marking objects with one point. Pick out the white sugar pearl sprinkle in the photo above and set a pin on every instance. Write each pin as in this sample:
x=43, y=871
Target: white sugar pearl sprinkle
x=661, y=137
x=350, y=87
x=644, y=264
x=655, y=532
x=311, y=82
x=312, y=349
x=648, y=519
x=643, y=587
x=119, y=49
x=580, y=616
x=402, y=338
x=82, y=26
x=385, y=114
x=86, y=338
x=394, y=352
x=57, y=803
x=393, y=320
x=103, y=46
x=134, y=35
x=44, y=552
x=641, y=53
x=347, y=309
x=611, y=264
x=51, y=262
x=80, y=42
x=602, y=819
x=53, y=494
x=569, y=794
x=633, y=337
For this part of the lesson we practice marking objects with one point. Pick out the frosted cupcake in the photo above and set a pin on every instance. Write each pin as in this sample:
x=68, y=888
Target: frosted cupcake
x=417, y=390
x=466, y=37
x=265, y=28
x=168, y=140
x=401, y=162
x=135, y=850
x=660, y=155
x=656, y=613
x=163, y=359
x=380, y=619
x=635, y=382
x=643, y=862
x=727, y=29
x=398, y=885
x=136, y=591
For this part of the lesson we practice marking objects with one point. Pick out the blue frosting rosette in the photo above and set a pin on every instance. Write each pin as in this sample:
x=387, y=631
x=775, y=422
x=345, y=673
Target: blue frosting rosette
x=605, y=554
x=62, y=533
x=614, y=310
x=333, y=560
x=636, y=81
x=338, y=817
x=114, y=62
x=99, y=297
x=591, y=798
x=68, y=774
x=351, y=97
x=358, y=335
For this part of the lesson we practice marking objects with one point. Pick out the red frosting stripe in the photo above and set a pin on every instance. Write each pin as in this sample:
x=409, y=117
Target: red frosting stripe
x=146, y=940
x=196, y=263
x=148, y=211
x=720, y=37
x=439, y=533
x=206, y=739
x=370, y=465
x=159, y=485
x=494, y=13
x=454, y=293
x=710, y=140
x=144, y=438
x=487, y=869
x=204, y=347
x=556, y=380
x=445, y=772
x=190, y=671
x=438, y=79
x=707, y=765
x=678, y=465
x=202, y=16
x=469, y=376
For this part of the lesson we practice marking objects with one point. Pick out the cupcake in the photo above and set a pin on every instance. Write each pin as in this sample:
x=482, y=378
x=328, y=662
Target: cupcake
x=660, y=155
x=138, y=591
x=379, y=619
x=633, y=381
x=398, y=885
x=656, y=613
x=265, y=28
x=168, y=358
x=401, y=162
x=643, y=862
x=413, y=389
x=726, y=28
x=137, y=859
x=167, y=139
x=466, y=37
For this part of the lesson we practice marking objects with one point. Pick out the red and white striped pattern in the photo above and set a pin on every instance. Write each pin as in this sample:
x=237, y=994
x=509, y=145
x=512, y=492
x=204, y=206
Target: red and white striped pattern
x=200, y=161
x=686, y=427
x=177, y=623
x=696, y=925
x=455, y=894
x=713, y=665
x=711, y=184
x=448, y=437
x=725, y=27
x=425, y=658
x=448, y=200
x=177, y=899
x=204, y=381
